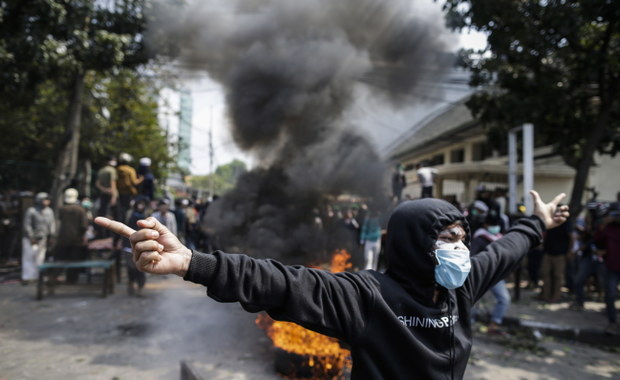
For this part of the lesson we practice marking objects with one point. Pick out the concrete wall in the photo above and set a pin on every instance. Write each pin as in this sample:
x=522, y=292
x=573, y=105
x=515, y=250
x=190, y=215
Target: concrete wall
x=605, y=177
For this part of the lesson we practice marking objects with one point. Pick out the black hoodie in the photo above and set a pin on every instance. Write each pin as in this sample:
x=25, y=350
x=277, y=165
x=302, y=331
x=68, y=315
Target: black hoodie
x=390, y=322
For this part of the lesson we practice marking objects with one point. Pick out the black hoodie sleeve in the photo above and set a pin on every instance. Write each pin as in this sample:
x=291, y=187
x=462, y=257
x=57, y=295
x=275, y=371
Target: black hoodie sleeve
x=333, y=304
x=502, y=256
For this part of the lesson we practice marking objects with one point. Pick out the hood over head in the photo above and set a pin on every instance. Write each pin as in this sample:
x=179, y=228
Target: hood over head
x=411, y=233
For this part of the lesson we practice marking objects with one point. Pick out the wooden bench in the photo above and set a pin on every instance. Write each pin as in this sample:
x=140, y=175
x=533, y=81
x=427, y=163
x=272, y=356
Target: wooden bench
x=107, y=285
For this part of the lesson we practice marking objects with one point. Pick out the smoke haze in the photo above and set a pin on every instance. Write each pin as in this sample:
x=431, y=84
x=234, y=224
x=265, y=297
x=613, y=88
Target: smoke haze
x=291, y=71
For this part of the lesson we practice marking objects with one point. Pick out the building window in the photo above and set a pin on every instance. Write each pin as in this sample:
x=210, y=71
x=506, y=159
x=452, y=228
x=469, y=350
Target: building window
x=457, y=155
x=436, y=160
x=481, y=151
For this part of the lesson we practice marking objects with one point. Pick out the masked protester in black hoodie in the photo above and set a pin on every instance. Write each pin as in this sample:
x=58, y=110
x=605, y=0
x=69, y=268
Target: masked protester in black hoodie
x=411, y=322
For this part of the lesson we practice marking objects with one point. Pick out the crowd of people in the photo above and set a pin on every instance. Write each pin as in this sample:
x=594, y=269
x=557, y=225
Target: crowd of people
x=128, y=194
x=412, y=319
x=122, y=192
x=574, y=262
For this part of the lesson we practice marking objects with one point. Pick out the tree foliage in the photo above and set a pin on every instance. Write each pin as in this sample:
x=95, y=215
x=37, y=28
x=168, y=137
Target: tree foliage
x=51, y=39
x=223, y=180
x=123, y=117
x=553, y=63
x=120, y=114
x=65, y=64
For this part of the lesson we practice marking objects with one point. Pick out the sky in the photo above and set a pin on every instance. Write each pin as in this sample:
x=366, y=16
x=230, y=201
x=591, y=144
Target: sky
x=210, y=114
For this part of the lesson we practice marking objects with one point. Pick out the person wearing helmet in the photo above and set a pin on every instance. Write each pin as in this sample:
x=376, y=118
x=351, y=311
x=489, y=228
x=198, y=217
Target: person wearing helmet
x=147, y=187
x=38, y=227
x=127, y=184
x=411, y=322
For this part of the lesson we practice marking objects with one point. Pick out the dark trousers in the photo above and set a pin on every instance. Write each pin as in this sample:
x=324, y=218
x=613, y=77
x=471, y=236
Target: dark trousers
x=534, y=259
x=552, y=271
x=122, y=208
x=427, y=192
x=133, y=274
x=124, y=204
x=104, y=210
x=588, y=266
x=612, y=278
x=104, y=205
x=71, y=253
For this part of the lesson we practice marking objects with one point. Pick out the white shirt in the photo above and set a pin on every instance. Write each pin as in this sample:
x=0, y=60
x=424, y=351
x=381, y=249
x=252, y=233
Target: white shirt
x=426, y=176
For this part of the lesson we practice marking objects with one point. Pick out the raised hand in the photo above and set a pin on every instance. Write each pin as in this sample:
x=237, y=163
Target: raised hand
x=550, y=213
x=155, y=249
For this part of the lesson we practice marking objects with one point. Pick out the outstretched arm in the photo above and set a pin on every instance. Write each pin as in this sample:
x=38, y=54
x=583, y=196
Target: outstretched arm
x=312, y=298
x=155, y=249
x=500, y=258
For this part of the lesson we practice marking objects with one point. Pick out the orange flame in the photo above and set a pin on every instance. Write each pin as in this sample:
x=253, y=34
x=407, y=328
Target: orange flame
x=340, y=261
x=322, y=353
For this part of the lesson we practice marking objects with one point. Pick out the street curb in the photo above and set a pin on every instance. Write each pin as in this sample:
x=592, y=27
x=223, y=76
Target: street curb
x=589, y=336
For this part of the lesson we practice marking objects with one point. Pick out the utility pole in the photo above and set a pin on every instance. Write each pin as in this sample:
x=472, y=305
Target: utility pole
x=211, y=154
x=528, y=167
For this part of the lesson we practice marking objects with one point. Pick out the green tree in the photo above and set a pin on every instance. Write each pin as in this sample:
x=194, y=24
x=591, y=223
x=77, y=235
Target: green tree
x=119, y=115
x=123, y=117
x=223, y=180
x=62, y=40
x=554, y=63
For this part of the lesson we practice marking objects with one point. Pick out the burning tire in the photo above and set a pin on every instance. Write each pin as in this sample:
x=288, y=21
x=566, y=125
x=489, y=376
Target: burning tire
x=297, y=366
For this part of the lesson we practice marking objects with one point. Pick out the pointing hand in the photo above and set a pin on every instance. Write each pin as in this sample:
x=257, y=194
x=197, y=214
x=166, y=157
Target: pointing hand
x=155, y=249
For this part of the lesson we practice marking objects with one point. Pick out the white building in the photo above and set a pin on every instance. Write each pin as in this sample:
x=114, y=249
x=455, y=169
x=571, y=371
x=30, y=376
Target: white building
x=449, y=139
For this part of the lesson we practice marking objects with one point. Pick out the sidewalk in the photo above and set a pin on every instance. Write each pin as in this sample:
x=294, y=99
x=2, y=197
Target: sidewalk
x=556, y=319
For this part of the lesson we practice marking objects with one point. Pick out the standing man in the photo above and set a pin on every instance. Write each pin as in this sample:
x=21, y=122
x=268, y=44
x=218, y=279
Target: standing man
x=106, y=184
x=347, y=236
x=483, y=236
x=127, y=186
x=180, y=207
x=398, y=182
x=108, y=194
x=128, y=182
x=557, y=244
x=165, y=216
x=370, y=238
x=426, y=176
x=607, y=238
x=38, y=227
x=147, y=187
x=71, y=233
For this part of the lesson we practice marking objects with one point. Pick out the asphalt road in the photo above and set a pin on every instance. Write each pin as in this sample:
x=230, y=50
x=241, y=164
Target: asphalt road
x=76, y=334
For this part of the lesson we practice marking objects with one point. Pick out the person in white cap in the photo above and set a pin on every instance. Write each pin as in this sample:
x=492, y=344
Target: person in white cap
x=71, y=244
x=38, y=227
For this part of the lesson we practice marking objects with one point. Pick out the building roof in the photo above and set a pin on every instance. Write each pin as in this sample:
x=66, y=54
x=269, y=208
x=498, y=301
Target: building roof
x=449, y=123
x=444, y=111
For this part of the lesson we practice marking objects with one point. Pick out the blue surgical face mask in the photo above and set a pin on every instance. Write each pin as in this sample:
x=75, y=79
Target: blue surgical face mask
x=453, y=264
x=494, y=230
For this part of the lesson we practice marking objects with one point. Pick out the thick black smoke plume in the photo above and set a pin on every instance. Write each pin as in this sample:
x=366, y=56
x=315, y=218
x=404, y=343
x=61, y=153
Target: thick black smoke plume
x=291, y=70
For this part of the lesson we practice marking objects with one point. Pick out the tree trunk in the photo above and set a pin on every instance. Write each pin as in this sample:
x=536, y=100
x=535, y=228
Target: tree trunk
x=583, y=169
x=66, y=166
x=85, y=177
